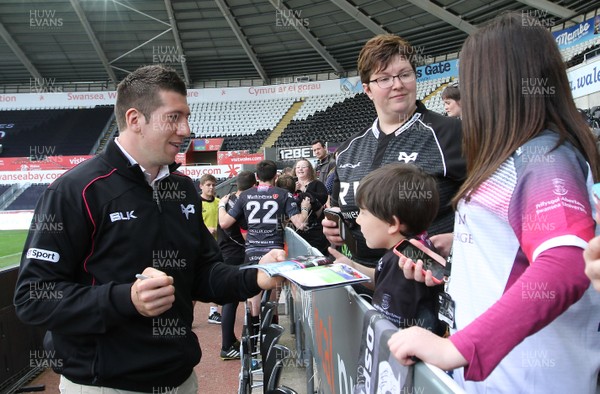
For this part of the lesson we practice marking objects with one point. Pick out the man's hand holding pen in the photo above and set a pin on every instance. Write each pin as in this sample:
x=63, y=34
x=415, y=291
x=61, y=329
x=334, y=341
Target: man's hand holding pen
x=153, y=292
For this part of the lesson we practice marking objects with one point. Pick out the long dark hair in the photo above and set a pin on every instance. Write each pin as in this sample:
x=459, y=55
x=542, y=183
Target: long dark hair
x=514, y=85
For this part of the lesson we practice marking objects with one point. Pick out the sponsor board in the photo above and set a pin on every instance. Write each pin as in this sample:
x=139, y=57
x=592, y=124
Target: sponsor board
x=49, y=176
x=239, y=157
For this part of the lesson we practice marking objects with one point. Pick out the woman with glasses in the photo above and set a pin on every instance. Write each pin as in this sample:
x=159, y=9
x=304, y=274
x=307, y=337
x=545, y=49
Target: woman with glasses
x=307, y=186
x=404, y=131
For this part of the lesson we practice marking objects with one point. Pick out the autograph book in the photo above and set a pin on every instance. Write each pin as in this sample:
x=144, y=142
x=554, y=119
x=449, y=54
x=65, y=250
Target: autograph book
x=313, y=272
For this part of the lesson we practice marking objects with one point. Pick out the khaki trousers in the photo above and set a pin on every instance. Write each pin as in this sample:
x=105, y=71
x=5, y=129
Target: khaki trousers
x=190, y=386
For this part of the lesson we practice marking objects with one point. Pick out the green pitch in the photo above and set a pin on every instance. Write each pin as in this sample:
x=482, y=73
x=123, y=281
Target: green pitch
x=11, y=247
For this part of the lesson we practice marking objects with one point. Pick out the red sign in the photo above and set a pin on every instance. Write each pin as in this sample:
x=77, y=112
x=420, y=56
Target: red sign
x=49, y=163
x=239, y=157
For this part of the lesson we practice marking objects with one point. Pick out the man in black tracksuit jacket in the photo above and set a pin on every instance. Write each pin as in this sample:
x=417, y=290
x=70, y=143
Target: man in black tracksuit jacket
x=118, y=214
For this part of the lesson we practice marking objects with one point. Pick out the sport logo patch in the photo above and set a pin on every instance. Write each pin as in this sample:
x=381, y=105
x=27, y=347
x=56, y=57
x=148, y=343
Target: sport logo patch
x=127, y=215
x=42, y=254
x=350, y=165
x=275, y=196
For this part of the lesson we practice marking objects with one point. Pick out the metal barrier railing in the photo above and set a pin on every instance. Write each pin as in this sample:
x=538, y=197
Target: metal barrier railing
x=329, y=331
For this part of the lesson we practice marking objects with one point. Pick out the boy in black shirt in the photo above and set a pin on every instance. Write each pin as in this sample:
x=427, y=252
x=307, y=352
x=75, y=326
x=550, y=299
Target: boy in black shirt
x=397, y=202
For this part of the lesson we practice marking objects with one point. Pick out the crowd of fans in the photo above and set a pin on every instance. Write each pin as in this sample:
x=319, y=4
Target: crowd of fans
x=471, y=188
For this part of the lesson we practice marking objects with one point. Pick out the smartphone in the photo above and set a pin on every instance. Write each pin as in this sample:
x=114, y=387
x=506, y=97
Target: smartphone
x=431, y=260
x=345, y=233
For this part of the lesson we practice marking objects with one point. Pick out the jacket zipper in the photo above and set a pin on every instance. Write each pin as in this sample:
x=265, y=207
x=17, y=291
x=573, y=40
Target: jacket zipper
x=156, y=196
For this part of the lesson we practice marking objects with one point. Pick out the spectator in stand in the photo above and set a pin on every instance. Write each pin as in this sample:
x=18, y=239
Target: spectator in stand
x=307, y=187
x=210, y=203
x=264, y=208
x=210, y=215
x=404, y=131
x=120, y=212
x=287, y=171
x=231, y=241
x=330, y=181
x=325, y=162
x=451, y=98
x=287, y=182
x=526, y=316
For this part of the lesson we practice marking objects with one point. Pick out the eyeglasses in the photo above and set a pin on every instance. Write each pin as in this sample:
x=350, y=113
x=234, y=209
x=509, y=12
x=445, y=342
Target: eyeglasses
x=387, y=81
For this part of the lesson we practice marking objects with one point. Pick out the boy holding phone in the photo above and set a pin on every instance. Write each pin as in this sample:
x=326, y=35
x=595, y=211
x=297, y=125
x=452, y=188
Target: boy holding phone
x=397, y=203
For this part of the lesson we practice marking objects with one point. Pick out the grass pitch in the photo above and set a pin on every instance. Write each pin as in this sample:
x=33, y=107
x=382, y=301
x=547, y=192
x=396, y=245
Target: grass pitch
x=11, y=247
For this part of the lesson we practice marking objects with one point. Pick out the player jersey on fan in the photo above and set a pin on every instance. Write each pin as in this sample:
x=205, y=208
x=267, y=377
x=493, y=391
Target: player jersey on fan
x=428, y=140
x=265, y=208
x=538, y=199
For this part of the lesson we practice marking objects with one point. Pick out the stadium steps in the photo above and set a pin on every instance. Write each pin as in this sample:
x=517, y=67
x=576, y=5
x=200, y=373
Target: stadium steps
x=9, y=196
x=109, y=132
x=435, y=92
x=283, y=123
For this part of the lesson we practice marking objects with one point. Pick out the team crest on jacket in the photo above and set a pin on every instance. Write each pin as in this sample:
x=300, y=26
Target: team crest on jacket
x=385, y=302
x=186, y=210
x=407, y=158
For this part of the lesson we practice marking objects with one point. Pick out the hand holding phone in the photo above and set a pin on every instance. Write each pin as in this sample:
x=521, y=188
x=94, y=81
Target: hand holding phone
x=431, y=261
x=345, y=233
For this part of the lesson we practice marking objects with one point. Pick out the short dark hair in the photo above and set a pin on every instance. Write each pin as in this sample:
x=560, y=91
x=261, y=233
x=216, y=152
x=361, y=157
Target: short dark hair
x=318, y=141
x=207, y=177
x=451, y=92
x=401, y=190
x=287, y=182
x=379, y=52
x=266, y=170
x=245, y=180
x=140, y=90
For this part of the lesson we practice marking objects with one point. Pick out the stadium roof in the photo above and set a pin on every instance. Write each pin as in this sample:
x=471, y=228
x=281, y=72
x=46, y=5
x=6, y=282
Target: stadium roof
x=57, y=41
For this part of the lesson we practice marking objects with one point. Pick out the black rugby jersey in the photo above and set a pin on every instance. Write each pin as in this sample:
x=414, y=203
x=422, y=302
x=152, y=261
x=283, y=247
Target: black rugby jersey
x=231, y=242
x=265, y=209
x=402, y=301
x=429, y=140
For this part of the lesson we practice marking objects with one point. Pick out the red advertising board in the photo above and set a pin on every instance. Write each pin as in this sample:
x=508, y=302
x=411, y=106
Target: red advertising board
x=50, y=163
x=239, y=157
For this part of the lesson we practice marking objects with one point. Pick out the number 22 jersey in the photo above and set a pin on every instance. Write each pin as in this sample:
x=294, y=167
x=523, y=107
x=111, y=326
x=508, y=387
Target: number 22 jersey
x=265, y=208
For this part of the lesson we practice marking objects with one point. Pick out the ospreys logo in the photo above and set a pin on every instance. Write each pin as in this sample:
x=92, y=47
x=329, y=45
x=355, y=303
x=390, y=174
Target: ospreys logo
x=186, y=210
x=408, y=158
